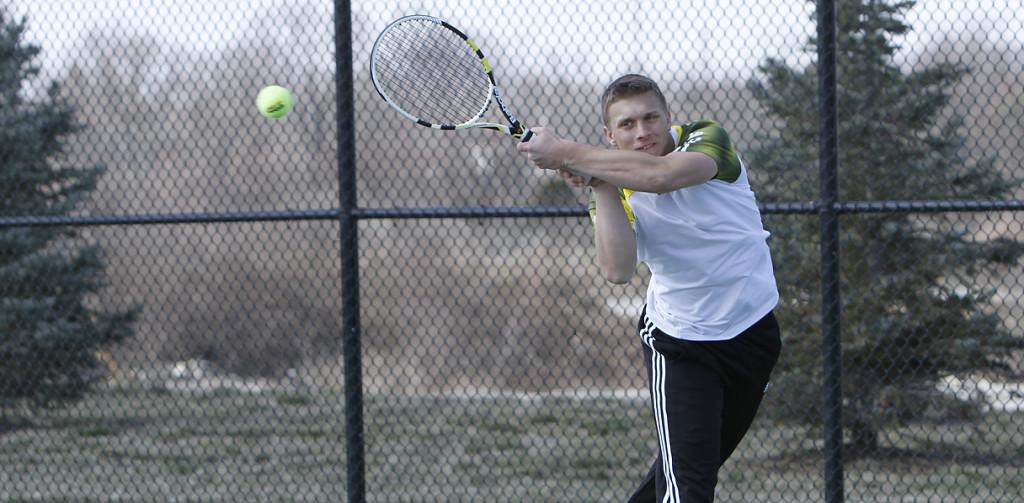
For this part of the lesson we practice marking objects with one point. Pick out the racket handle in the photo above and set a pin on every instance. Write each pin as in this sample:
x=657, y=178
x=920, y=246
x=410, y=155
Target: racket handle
x=527, y=134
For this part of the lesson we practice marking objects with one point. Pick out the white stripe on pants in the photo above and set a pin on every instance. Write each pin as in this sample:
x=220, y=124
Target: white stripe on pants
x=657, y=385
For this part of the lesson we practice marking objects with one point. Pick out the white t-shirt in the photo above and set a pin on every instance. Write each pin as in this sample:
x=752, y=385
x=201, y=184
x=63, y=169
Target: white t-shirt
x=711, y=270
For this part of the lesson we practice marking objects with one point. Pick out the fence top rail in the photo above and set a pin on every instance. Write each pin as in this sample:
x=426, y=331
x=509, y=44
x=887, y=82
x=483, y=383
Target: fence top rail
x=849, y=207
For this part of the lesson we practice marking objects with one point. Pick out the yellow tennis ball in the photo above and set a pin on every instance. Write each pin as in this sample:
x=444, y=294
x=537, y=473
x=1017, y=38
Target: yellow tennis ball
x=274, y=101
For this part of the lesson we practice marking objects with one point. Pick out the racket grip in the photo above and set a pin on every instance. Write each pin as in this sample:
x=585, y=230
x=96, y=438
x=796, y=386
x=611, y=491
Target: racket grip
x=527, y=134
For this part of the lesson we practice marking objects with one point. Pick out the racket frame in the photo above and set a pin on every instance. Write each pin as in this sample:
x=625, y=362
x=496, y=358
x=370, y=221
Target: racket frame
x=514, y=128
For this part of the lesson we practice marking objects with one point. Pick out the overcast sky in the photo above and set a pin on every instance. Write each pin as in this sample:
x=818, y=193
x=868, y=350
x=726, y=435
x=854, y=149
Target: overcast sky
x=597, y=37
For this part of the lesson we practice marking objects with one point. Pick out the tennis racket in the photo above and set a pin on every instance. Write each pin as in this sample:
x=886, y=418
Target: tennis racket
x=435, y=75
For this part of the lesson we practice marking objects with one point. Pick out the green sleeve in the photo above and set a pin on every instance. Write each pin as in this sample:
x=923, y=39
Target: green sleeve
x=623, y=196
x=709, y=138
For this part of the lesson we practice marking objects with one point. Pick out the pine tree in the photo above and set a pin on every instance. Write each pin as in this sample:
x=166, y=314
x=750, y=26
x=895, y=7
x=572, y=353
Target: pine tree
x=911, y=309
x=49, y=335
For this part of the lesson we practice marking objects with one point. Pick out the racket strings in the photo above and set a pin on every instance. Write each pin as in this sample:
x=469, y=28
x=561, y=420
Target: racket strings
x=431, y=73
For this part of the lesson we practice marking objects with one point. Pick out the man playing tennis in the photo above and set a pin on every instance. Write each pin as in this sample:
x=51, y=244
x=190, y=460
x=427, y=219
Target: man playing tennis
x=677, y=198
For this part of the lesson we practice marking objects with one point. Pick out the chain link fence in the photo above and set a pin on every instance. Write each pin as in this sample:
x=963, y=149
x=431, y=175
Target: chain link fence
x=172, y=291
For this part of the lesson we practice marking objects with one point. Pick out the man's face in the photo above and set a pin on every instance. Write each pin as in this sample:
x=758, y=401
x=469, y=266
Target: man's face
x=640, y=123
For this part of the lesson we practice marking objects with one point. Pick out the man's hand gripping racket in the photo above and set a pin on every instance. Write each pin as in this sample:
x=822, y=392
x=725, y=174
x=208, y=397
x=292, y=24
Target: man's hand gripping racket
x=433, y=74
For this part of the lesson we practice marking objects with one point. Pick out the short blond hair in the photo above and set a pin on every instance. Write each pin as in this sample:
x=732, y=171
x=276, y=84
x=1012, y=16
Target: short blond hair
x=629, y=85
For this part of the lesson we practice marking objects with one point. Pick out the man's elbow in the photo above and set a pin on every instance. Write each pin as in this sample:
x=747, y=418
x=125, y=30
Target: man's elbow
x=696, y=169
x=618, y=277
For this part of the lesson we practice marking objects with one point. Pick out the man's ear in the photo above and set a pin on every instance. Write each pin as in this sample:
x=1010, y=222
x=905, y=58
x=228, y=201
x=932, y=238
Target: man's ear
x=608, y=137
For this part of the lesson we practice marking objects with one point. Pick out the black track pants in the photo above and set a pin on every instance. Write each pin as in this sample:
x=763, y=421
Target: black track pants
x=704, y=396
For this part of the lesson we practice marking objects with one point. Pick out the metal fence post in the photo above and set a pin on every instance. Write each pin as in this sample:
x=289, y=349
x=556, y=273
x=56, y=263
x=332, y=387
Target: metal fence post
x=829, y=226
x=349, y=246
